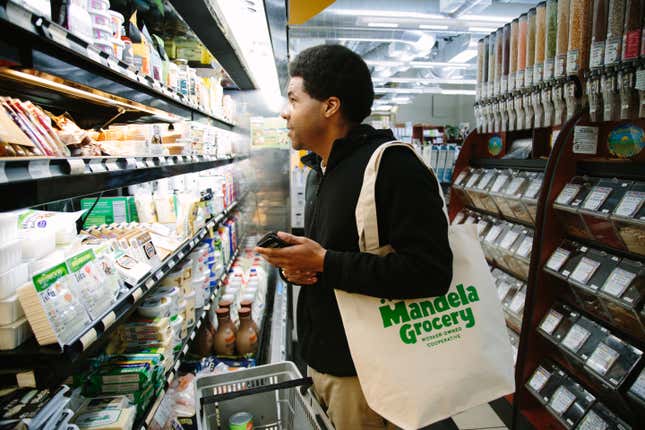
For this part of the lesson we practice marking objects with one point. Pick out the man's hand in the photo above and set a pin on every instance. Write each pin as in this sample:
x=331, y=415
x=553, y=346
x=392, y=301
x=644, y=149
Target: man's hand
x=300, y=278
x=304, y=255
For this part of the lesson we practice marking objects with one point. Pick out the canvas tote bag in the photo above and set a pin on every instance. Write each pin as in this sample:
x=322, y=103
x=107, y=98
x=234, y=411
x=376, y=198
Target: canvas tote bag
x=423, y=360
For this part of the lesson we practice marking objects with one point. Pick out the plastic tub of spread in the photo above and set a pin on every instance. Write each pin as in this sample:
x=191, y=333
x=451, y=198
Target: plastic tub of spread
x=629, y=219
x=568, y=203
x=15, y=334
x=98, y=5
x=623, y=294
x=8, y=226
x=10, y=310
x=104, y=46
x=100, y=18
x=11, y=254
x=102, y=33
x=116, y=21
x=589, y=275
x=12, y=279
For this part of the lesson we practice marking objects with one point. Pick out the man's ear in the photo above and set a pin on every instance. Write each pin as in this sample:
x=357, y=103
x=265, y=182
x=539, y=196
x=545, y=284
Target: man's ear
x=330, y=107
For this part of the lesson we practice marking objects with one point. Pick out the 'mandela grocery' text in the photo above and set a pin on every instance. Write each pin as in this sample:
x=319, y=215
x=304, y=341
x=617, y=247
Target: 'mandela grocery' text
x=449, y=310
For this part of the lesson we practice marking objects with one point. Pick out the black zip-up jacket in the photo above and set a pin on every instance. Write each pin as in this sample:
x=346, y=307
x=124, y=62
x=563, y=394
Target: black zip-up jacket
x=410, y=219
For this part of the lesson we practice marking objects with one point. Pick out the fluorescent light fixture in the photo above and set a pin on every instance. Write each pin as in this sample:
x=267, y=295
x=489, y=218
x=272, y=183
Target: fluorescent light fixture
x=433, y=27
x=487, y=18
x=385, y=14
x=420, y=64
x=427, y=81
x=383, y=24
x=383, y=108
x=430, y=90
x=401, y=100
x=463, y=56
x=459, y=92
x=481, y=29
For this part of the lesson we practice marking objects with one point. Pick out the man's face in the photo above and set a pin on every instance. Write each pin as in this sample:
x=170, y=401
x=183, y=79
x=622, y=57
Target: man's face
x=303, y=114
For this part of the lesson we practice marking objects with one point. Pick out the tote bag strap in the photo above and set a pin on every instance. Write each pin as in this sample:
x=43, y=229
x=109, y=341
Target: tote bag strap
x=366, y=215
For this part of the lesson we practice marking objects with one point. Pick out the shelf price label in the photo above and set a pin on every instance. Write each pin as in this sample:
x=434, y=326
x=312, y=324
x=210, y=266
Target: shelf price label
x=39, y=169
x=618, y=281
x=551, y=322
x=630, y=204
x=602, y=359
x=596, y=198
x=568, y=193
x=593, y=421
x=576, y=337
x=585, y=270
x=539, y=379
x=558, y=258
x=3, y=175
x=562, y=400
x=585, y=140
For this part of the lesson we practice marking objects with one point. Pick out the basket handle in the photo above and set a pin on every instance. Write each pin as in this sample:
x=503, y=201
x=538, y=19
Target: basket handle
x=304, y=382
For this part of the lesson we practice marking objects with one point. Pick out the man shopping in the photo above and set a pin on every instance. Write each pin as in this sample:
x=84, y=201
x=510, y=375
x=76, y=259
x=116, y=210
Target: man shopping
x=330, y=93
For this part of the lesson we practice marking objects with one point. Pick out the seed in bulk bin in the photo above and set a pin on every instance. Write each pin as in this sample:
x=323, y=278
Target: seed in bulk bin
x=551, y=38
x=480, y=66
x=512, y=69
x=491, y=63
x=598, y=33
x=540, y=38
x=562, y=44
x=579, y=36
x=499, y=42
x=632, y=30
x=521, y=50
x=506, y=46
x=530, y=49
x=615, y=25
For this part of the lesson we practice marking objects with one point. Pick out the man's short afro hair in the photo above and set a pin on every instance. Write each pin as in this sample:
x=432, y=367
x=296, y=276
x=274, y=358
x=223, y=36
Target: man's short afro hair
x=334, y=70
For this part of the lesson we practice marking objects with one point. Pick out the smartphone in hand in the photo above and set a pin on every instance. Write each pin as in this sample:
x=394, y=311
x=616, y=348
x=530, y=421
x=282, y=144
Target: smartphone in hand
x=272, y=240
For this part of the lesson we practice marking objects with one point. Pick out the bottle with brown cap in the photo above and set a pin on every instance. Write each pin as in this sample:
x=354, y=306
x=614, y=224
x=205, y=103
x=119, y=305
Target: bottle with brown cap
x=224, y=340
x=247, y=336
x=227, y=304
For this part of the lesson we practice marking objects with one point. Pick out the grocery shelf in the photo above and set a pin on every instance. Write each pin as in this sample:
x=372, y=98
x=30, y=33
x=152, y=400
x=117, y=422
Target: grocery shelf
x=537, y=165
x=612, y=169
x=48, y=48
x=172, y=373
x=85, y=344
x=214, y=33
x=31, y=181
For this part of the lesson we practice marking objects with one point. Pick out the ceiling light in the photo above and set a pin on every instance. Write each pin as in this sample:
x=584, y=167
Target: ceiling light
x=383, y=108
x=481, y=29
x=385, y=13
x=463, y=56
x=458, y=92
x=420, y=64
x=382, y=24
x=433, y=27
x=427, y=81
x=486, y=18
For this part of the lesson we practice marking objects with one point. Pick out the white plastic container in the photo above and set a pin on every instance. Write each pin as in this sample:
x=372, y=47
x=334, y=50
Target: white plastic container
x=100, y=5
x=116, y=21
x=10, y=310
x=12, y=279
x=101, y=18
x=37, y=243
x=15, y=334
x=170, y=293
x=155, y=307
x=8, y=226
x=103, y=33
x=190, y=309
x=119, y=46
x=10, y=255
x=104, y=46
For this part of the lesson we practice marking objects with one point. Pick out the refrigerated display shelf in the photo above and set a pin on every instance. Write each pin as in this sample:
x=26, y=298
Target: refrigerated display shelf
x=71, y=355
x=49, y=48
x=26, y=182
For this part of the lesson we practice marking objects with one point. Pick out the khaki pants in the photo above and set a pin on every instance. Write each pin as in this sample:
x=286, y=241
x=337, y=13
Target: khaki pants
x=343, y=400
